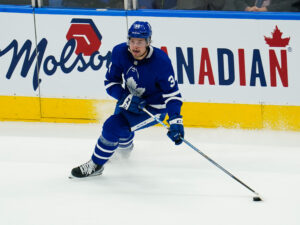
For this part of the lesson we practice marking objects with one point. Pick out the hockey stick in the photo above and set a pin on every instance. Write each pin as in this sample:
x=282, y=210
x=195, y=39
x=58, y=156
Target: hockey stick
x=255, y=198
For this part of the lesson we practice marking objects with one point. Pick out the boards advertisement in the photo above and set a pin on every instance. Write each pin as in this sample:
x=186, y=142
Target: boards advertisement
x=232, y=72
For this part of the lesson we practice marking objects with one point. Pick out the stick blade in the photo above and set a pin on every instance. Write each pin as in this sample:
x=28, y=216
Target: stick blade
x=257, y=199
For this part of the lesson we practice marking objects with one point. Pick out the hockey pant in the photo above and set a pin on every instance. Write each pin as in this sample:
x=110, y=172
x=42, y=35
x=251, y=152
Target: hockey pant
x=118, y=131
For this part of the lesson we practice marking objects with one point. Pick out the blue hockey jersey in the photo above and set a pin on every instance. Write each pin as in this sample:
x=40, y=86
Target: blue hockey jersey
x=151, y=78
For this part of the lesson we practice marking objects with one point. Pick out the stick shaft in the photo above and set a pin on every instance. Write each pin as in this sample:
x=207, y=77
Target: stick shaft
x=218, y=165
x=204, y=155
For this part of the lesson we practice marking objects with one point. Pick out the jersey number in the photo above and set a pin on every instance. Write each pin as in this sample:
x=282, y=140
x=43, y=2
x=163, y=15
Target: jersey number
x=172, y=81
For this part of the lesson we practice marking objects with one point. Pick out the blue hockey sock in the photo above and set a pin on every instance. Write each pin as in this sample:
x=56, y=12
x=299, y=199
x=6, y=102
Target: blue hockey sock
x=127, y=142
x=104, y=149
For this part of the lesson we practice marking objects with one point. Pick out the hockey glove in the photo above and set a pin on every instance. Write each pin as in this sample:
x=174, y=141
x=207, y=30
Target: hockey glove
x=176, y=131
x=132, y=103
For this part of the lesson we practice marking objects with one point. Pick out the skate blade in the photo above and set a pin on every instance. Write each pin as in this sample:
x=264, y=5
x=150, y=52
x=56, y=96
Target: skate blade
x=90, y=176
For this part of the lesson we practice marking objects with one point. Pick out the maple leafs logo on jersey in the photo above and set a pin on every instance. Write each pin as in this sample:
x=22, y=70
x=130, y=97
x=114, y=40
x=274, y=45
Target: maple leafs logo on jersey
x=132, y=87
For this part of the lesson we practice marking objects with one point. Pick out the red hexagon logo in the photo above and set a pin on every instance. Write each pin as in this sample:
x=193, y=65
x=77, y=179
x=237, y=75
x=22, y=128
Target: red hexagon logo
x=86, y=34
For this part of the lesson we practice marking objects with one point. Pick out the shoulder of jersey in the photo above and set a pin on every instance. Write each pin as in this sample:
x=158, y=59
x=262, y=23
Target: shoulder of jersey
x=161, y=54
x=123, y=47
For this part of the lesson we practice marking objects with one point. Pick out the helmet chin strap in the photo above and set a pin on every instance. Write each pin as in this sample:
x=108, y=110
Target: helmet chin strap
x=145, y=53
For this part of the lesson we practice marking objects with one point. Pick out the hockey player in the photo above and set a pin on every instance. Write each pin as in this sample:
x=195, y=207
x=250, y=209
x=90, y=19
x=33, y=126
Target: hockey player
x=139, y=76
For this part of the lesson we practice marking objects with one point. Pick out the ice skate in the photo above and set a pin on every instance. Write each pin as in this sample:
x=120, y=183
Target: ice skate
x=87, y=169
x=121, y=153
x=125, y=152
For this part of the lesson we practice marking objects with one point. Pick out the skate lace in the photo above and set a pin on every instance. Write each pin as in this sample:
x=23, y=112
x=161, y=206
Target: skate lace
x=88, y=168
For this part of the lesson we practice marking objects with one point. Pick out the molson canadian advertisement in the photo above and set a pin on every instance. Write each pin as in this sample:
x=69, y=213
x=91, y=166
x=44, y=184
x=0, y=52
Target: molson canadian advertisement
x=231, y=72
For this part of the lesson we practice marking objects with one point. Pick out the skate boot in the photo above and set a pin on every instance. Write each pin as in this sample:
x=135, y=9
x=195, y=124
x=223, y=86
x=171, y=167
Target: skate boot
x=87, y=169
x=125, y=152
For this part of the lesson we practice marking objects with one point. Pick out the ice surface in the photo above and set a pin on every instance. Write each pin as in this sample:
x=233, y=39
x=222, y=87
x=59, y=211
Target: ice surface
x=159, y=184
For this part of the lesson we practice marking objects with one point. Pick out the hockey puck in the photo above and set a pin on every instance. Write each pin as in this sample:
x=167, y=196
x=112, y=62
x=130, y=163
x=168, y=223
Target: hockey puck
x=257, y=199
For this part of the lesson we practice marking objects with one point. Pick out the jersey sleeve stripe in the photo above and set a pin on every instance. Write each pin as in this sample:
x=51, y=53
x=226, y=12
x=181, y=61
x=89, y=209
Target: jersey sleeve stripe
x=173, y=98
x=111, y=84
x=171, y=94
x=158, y=106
